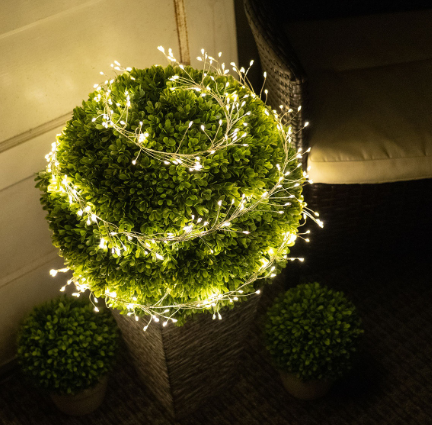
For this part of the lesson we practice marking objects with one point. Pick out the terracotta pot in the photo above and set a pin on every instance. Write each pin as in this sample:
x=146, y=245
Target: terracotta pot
x=84, y=402
x=309, y=390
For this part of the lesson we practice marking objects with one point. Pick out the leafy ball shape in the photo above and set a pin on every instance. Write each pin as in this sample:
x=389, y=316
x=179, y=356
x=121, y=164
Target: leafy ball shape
x=312, y=331
x=65, y=347
x=140, y=193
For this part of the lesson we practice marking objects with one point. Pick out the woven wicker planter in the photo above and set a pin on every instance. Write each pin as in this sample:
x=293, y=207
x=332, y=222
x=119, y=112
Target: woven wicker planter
x=184, y=366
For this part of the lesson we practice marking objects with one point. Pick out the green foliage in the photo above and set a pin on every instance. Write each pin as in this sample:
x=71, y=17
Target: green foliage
x=153, y=198
x=312, y=332
x=65, y=347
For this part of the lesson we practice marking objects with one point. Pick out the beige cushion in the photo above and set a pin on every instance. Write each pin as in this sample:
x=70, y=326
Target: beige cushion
x=371, y=97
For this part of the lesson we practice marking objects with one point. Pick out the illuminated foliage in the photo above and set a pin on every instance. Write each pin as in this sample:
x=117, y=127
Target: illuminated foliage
x=144, y=181
x=312, y=332
x=65, y=347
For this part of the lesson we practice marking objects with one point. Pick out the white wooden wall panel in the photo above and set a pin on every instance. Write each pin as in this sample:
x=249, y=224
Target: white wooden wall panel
x=17, y=15
x=24, y=160
x=211, y=26
x=24, y=231
x=19, y=295
x=51, y=52
x=50, y=67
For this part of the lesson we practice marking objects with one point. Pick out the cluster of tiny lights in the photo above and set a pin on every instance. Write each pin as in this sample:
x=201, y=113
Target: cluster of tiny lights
x=198, y=227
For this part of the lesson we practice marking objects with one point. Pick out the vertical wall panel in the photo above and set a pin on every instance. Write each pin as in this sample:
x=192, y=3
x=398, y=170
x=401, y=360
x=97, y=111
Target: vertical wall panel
x=211, y=26
x=19, y=295
x=47, y=69
x=23, y=160
x=24, y=232
x=18, y=15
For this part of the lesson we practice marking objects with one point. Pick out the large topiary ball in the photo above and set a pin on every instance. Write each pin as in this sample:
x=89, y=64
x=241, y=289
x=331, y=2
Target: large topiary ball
x=172, y=187
x=313, y=332
x=65, y=347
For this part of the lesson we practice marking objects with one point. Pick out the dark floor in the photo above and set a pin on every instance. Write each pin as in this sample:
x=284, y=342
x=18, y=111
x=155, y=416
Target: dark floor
x=391, y=384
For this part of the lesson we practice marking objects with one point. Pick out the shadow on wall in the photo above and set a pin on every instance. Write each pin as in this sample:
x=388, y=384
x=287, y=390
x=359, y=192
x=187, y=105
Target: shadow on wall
x=246, y=47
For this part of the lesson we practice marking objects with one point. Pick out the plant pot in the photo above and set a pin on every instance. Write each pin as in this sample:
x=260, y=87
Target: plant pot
x=84, y=402
x=309, y=390
x=184, y=366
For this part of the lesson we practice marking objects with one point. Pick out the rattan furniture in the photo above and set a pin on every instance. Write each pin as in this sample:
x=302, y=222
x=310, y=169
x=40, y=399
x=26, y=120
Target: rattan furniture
x=361, y=219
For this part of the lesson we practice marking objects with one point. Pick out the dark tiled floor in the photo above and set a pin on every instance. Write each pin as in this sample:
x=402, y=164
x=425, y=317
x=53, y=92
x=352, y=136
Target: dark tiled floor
x=391, y=384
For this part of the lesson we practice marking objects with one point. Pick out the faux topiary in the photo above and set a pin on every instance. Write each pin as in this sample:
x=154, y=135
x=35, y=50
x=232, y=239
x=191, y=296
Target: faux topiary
x=312, y=332
x=65, y=347
x=171, y=190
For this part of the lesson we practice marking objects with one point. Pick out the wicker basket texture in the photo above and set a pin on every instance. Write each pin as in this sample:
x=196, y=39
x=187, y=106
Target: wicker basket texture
x=185, y=366
x=360, y=219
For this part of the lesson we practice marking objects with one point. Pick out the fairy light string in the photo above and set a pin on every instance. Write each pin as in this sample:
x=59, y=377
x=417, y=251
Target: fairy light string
x=227, y=135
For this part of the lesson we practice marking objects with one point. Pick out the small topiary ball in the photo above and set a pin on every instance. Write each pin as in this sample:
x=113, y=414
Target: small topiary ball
x=65, y=347
x=312, y=331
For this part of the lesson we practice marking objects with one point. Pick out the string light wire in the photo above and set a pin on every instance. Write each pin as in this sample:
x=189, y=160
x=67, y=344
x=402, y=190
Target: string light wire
x=227, y=135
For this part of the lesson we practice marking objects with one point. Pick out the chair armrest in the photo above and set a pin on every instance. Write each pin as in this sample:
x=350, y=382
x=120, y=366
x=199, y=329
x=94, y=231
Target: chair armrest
x=285, y=75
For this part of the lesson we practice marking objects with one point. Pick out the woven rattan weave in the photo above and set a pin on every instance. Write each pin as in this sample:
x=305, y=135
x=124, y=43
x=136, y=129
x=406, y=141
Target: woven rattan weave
x=360, y=219
x=184, y=366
